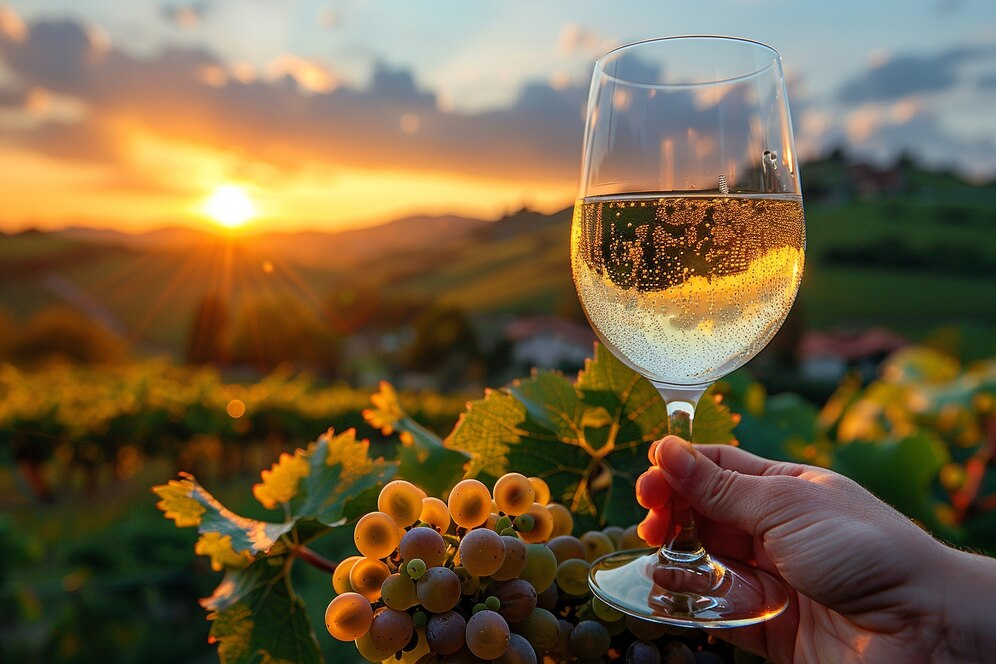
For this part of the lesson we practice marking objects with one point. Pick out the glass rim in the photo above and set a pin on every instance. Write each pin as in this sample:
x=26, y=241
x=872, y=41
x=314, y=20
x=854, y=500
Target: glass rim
x=600, y=62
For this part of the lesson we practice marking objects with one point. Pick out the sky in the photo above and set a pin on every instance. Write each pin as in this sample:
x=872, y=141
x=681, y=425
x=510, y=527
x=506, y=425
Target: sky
x=326, y=114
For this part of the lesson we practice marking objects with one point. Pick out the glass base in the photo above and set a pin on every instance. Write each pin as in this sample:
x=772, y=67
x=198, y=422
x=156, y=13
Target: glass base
x=705, y=592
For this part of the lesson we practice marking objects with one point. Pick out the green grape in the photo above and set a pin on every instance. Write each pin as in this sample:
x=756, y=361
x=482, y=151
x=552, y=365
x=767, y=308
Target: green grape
x=371, y=652
x=548, y=598
x=542, y=524
x=469, y=503
x=515, y=559
x=438, y=589
x=643, y=652
x=487, y=635
x=514, y=494
x=541, y=628
x=519, y=652
x=445, y=632
x=468, y=582
x=517, y=599
x=525, y=522
x=566, y=547
x=591, y=638
x=376, y=535
x=646, y=630
x=502, y=524
x=402, y=501
x=340, y=577
x=541, y=489
x=425, y=544
x=398, y=592
x=631, y=540
x=480, y=606
x=509, y=532
x=541, y=566
x=563, y=521
x=416, y=568
x=482, y=552
x=391, y=630
x=348, y=616
x=435, y=513
x=367, y=576
x=596, y=544
x=572, y=577
x=614, y=533
x=604, y=612
x=493, y=603
x=420, y=619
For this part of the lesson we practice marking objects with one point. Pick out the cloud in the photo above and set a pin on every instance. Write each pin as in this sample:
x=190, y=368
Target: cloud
x=187, y=16
x=889, y=79
x=987, y=81
x=297, y=113
x=924, y=136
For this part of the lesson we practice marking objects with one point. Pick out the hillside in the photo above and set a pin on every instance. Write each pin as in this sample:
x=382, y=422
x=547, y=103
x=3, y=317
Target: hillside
x=911, y=250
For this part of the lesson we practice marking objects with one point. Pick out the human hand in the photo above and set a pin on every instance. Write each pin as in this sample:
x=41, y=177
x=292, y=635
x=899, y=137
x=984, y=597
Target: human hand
x=869, y=585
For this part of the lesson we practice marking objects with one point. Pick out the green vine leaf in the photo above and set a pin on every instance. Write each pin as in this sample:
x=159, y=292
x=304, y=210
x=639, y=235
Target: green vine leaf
x=422, y=457
x=255, y=614
x=570, y=433
x=256, y=617
x=189, y=504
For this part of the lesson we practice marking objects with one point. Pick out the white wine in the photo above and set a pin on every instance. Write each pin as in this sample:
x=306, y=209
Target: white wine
x=687, y=287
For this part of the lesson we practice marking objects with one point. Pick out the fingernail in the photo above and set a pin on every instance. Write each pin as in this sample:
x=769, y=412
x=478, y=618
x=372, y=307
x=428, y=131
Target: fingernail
x=677, y=457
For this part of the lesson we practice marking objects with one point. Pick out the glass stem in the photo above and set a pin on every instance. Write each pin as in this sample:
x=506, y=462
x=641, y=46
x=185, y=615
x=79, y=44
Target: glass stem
x=682, y=544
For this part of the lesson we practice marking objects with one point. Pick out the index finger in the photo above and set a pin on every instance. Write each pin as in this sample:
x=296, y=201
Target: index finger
x=742, y=461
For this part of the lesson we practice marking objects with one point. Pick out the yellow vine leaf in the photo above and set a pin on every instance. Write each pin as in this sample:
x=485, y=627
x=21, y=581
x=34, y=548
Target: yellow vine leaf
x=177, y=503
x=218, y=547
x=387, y=410
x=280, y=482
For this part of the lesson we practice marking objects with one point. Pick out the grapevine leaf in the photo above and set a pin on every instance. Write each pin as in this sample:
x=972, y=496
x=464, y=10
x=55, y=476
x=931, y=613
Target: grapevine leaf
x=340, y=471
x=714, y=423
x=256, y=617
x=219, y=548
x=587, y=439
x=280, y=482
x=177, y=503
x=182, y=498
x=422, y=457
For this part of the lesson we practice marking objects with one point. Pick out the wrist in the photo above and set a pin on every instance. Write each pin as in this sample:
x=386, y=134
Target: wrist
x=965, y=587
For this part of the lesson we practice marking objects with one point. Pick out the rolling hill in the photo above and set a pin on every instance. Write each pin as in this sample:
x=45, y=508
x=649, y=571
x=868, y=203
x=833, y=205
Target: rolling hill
x=911, y=250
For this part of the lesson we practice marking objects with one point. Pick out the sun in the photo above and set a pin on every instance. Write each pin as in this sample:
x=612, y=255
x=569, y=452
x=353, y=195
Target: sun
x=229, y=206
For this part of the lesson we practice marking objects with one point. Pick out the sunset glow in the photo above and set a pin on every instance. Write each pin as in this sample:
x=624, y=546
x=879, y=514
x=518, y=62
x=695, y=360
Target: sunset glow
x=229, y=206
x=99, y=127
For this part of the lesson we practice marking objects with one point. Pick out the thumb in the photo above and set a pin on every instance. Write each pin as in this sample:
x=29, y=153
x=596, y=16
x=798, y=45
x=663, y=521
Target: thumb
x=719, y=494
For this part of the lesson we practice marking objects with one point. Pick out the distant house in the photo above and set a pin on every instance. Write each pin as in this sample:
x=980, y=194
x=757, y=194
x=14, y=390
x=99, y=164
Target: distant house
x=871, y=182
x=549, y=342
x=827, y=356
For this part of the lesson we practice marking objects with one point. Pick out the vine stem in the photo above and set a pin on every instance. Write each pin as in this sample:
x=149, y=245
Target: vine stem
x=314, y=559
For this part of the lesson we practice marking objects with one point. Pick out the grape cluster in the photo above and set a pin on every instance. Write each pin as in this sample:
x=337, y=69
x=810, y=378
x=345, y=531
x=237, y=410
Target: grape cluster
x=485, y=576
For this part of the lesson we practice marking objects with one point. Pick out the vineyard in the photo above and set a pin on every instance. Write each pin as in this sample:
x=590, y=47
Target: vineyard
x=92, y=569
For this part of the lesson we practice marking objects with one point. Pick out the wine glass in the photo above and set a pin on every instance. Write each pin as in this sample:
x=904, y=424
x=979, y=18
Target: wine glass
x=687, y=249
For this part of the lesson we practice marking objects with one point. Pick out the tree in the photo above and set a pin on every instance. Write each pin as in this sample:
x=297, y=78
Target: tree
x=61, y=332
x=208, y=341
